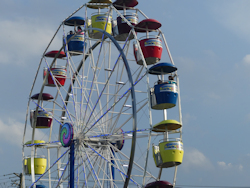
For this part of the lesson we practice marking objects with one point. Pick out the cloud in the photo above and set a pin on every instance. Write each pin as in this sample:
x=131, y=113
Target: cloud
x=214, y=96
x=210, y=54
x=228, y=166
x=23, y=39
x=193, y=158
x=188, y=117
x=234, y=16
x=244, y=66
x=187, y=64
x=246, y=60
x=12, y=132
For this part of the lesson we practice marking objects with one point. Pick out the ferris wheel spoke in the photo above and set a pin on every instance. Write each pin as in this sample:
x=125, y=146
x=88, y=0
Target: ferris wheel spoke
x=137, y=80
x=112, y=106
x=74, y=96
x=86, y=160
x=107, y=111
x=60, y=178
x=60, y=94
x=108, y=120
x=118, y=87
x=119, y=73
x=90, y=105
x=122, y=95
x=94, y=74
x=130, y=117
x=77, y=119
x=127, y=97
x=92, y=168
x=43, y=109
x=123, y=86
x=112, y=165
x=95, y=118
x=117, y=163
x=109, y=176
x=125, y=121
x=104, y=174
x=136, y=164
x=85, y=56
x=97, y=73
x=126, y=135
x=97, y=91
x=104, y=87
x=84, y=174
x=49, y=168
x=101, y=168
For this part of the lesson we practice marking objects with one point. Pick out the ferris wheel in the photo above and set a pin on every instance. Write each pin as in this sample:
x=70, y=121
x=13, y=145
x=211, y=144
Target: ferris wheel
x=89, y=119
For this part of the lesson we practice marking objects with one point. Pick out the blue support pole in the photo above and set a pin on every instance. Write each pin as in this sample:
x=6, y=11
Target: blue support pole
x=72, y=164
x=112, y=167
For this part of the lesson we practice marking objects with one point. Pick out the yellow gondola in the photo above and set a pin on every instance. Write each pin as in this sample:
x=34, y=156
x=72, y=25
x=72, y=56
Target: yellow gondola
x=168, y=154
x=39, y=142
x=101, y=21
x=171, y=153
x=157, y=156
x=170, y=124
x=99, y=6
x=40, y=165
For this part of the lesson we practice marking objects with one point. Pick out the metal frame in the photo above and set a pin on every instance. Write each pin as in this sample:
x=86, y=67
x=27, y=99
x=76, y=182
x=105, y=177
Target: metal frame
x=132, y=92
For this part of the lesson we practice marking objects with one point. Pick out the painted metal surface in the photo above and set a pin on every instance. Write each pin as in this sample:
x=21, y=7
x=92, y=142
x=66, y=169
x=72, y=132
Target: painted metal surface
x=44, y=119
x=121, y=4
x=74, y=21
x=76, y=43
x=151, y=49
x=40, y=165
x=170, y=124
x=164, y=95
x=159, y=184
x=147, y=25
x=162, y=68
x=54, y=53
x=171, y=153
x=66, y=135
x=45, y=96
x=59, y=75
x=98, y=6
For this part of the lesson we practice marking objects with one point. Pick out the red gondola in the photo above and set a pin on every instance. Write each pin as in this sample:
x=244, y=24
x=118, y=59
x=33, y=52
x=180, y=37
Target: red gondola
x=159, y=184
x=151, y=46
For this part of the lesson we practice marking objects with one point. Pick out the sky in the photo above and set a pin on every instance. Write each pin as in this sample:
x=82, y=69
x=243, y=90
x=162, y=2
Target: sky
x=209, y=41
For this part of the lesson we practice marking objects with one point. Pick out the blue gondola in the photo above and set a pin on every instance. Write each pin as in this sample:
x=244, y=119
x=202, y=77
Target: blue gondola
x=75, y=40
x=164, y=94
x=40, y=186
x=74, y=21
x=76, y=43
x=162, y=68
